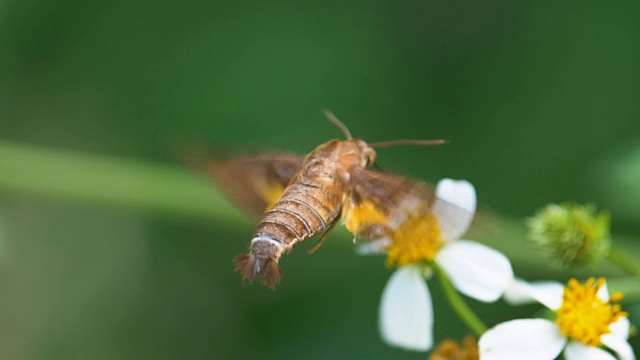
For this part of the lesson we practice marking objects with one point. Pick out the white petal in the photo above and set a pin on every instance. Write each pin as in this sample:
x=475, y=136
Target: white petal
x=548, y=293
x=620, y=328
x=518, y=293
x=475, y=269
x=620, y=346
x=579, y=351
x=458, y=192
x=616, y=340
x=373, y=247
x=406, y=312
x=603, y=293
x=523, y=339
x=454, y=206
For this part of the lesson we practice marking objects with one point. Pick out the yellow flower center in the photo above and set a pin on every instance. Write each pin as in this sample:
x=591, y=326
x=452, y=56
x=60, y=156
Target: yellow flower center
x=583, y=316
x=450, y=350
x=416, y=239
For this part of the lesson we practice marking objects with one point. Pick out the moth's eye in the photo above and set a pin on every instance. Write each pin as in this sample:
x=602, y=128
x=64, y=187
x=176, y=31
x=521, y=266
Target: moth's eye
x=371, y=158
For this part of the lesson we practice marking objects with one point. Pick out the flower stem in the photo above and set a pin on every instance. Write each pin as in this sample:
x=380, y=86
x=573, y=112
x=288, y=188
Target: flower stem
x=459, y=305
x=624, y=261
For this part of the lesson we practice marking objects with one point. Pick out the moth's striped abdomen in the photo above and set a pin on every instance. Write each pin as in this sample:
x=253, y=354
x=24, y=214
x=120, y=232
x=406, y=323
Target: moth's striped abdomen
x=309, y=204
x=303, y=211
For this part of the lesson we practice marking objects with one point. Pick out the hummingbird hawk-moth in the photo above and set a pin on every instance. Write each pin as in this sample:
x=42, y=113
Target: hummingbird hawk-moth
x=300, y=197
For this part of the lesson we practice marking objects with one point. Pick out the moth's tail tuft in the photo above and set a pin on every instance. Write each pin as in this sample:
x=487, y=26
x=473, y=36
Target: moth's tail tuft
x=250, y=266
x=245, y=265
x=272, y=274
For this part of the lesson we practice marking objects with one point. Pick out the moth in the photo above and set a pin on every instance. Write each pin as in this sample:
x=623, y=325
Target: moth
x=301, y=197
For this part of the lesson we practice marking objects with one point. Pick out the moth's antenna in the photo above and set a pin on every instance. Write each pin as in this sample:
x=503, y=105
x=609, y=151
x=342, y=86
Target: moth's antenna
x=338, y=123
x=408, y=142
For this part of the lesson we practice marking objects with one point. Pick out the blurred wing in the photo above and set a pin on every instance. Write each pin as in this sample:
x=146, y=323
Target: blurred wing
x=380, y=202
x=255, y=183
x=382, y=206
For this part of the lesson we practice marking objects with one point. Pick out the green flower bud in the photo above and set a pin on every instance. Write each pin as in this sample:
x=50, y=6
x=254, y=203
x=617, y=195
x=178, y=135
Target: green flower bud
x=572, y=234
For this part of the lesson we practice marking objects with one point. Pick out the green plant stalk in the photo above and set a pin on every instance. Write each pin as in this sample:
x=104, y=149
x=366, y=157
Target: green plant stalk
x=78, y=176
x=458, y=304
x=624, y=261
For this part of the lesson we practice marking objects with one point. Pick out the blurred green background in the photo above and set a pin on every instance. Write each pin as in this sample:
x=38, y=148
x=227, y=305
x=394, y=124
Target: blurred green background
x=110, y=249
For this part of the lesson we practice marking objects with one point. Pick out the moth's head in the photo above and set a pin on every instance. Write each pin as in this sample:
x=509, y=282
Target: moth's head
x=367, y=154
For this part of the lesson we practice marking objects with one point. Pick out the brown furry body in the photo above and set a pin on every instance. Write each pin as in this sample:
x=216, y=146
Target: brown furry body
x=311, y=202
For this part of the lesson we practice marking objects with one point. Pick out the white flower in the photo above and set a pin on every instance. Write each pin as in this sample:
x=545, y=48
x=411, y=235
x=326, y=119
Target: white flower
x=587, y=319
x=406, y=314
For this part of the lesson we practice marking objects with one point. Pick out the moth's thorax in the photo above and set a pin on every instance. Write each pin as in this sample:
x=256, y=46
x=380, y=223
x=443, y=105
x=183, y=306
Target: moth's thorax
x=339, y=156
